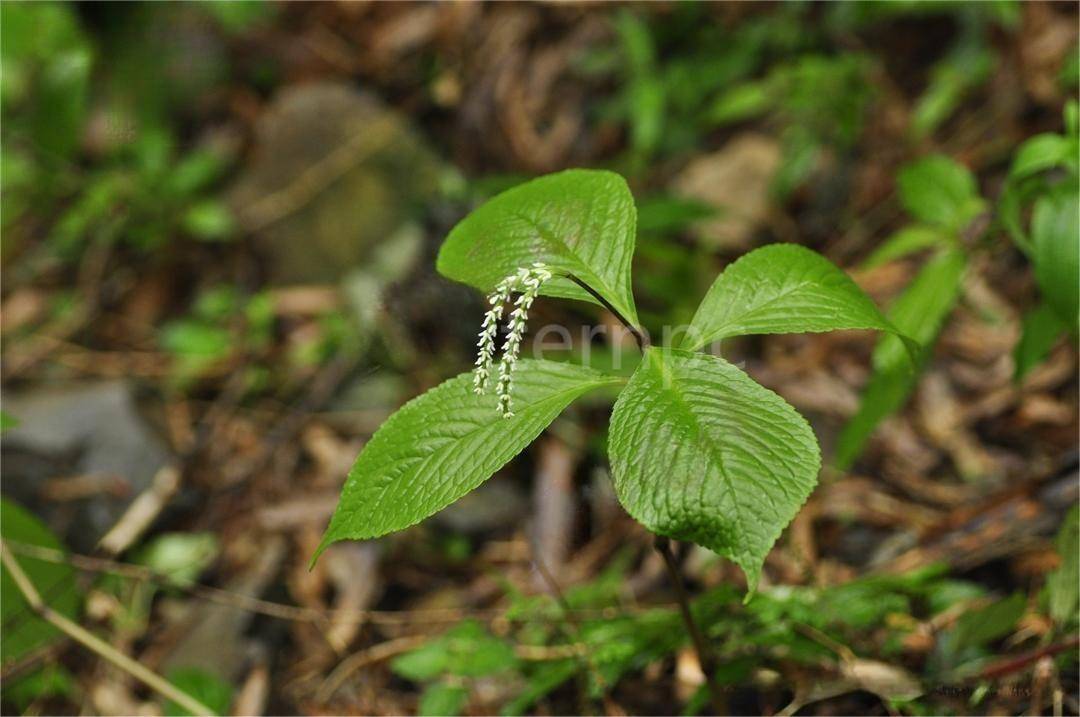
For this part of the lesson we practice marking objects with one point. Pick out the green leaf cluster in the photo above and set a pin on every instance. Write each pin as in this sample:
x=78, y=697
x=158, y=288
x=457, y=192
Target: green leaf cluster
x=699, y=451
x=1039, y=208
x=108, y=177
x=943, y=197
x=775, y=629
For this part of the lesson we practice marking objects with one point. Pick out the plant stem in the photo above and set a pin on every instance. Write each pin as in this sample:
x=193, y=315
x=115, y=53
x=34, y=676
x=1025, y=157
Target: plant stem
x=641, y=338
x=92, y=642
x=663, y=546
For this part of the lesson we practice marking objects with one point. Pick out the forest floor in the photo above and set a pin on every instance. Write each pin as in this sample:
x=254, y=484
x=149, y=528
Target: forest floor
x=219, y=231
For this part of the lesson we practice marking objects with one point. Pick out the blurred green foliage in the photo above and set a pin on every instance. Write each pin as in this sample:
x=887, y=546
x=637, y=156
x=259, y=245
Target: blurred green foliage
x=66, y=98
x=1039, y=208
x=23, y=629
x=943, y=196
x=207, y=688
x=781, y=625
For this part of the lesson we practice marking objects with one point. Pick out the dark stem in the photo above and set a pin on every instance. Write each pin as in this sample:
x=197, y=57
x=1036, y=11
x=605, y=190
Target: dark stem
x=663, y=546
x=642, y=340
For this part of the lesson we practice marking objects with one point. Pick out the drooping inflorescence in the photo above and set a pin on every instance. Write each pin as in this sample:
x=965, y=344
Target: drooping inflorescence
x=526, y=282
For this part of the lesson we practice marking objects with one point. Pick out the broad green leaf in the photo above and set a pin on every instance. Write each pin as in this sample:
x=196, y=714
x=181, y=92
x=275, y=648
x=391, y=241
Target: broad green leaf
x=908, y=240
x=777, y=289
x=1063, y=585
x=578, y=222
x=1055, y=235
x=445, y=443
x=55, y=582
x=701, y=452
x=1039, y=331
x=939, y=191
x=919, y=312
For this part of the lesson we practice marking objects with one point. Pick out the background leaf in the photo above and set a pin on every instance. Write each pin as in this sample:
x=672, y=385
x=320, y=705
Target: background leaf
x=908, y=240
x=445, y=443
x=939, y=191
x=701, y=452
x=782, y=288
x=1063, y=585
x=23, y=630
x=919, y=312
x=578, y=221
x=1055, y=234
x=1039, y=331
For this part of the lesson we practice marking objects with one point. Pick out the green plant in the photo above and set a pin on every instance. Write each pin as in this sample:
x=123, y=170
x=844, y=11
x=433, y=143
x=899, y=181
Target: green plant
x=1038, y=208
x=699, y=451
x=1044, y=183
x=221, y=324
x=943, y=197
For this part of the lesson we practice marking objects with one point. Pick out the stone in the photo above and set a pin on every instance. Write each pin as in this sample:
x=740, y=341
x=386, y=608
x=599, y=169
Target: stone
x=335, y=173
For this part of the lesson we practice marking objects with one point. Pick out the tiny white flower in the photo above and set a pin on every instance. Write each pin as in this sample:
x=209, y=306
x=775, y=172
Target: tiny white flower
x=527, y=282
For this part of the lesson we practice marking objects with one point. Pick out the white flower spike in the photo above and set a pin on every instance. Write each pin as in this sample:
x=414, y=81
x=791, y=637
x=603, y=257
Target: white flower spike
x=527, y=282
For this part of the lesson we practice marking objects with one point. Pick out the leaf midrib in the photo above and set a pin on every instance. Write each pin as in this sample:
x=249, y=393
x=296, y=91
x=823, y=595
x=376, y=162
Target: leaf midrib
x=668, y=377
x=551, y=238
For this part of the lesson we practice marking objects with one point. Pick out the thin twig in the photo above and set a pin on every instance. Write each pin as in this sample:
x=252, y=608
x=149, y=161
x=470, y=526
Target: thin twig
x=663, y=546
x=639, y=336
x=94, y=643
x=284, y=611
x=1015, y=664
x=363, y=658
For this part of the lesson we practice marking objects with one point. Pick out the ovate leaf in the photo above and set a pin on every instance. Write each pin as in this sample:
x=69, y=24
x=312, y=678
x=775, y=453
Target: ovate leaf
x=779, y=289
x=445, y=443
x=939, y=191
x=701, y=452
x=919, y=312
x=1055, y=234
x=580, y=222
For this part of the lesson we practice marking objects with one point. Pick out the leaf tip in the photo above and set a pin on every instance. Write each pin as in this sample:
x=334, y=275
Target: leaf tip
x=327, y=541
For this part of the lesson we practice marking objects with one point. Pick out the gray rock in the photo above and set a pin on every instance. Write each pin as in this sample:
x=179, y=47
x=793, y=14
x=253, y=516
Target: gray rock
x=87, y=429
x=334, y=173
